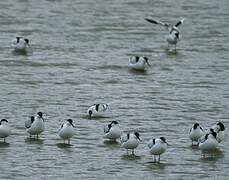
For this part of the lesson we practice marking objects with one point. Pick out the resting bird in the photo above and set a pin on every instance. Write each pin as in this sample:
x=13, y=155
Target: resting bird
x=112, y=131
x=66, y=130
x=20, y=44
x=130, y=141
x=5, y=130
x=157, y=147
x=196, y=132
x=219, y=128
x=138, y=63
x=174, y=35
x=97, y=110
x=35, y=126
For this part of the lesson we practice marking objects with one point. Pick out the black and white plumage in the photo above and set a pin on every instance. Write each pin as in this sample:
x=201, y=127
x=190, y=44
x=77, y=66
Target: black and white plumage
x=97, y=110
x=196, y=132
x=35, y=126
x=5, y=129
x=20, y=44
x=219, y=128
x=130, y=141
x=174, y=35
x=208, y=142
x=66, y=130
x=157, y=147
x=112, y=131
x=138, y=63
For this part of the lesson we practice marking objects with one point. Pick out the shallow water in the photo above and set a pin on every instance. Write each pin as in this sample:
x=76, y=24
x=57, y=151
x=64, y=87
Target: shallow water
x=79, y=54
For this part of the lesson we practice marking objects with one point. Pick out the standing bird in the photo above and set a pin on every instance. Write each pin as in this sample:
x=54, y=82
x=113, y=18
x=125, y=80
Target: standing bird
x=157, y=147
x=138, y=63
x=209, y=142
x=5, y=130
x=174, y=35
x=97, y=110
x=112, y=131
x=196, y=132
x=219, y=128
x=130, y=141
x=35, y=126
x=20, y=44
x=66, y=130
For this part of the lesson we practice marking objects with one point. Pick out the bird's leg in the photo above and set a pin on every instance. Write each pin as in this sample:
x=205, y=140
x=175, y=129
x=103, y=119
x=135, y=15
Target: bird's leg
x=133, y=152
x=154, y=158
x=159, y=158
x=127, y=152
x=69, y=141
x=4, y=140
x=37, y=136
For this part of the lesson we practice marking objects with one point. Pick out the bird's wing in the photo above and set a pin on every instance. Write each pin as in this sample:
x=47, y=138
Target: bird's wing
x=166, y=25
x=179, y=23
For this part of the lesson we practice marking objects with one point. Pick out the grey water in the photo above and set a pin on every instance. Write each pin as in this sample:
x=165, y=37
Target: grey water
x=78, y=57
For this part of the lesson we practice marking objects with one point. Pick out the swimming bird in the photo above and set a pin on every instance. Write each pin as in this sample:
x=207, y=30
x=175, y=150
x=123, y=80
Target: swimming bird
x=196, y=132
x=174, y=35
x=66, y=130
x=112, y=131
x=138, y=63
x=209, y=142
x=20, y=44
x=130, y=141
x=35, y=126
x=5, y=130
x=97, y=110
x=219, y=128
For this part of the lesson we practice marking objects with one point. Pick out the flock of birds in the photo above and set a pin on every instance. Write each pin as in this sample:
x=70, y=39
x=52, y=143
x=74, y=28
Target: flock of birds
x=207, y=141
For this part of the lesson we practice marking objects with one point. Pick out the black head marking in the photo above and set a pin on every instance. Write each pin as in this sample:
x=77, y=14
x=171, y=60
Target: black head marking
x=163, y=139
x=3, y=120
x=40, y=114
x=154, y=141
x=137, y=135
x=222, y=128
x=114, y=122
x=27, y=41
x=146, y=58
x=71, y=122
x=195, y=125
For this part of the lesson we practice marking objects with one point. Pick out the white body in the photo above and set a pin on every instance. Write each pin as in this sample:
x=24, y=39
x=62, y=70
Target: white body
x=37, y=126
x=114, y=133
x=102, y=108
x=208, y=145
x=220, y=134
x=67, y=131
x=19, y=46
x=5, y=130
x=158, y=148
x=130, y=143
x=137, y=65
x=172, y=39
x=196, y=134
